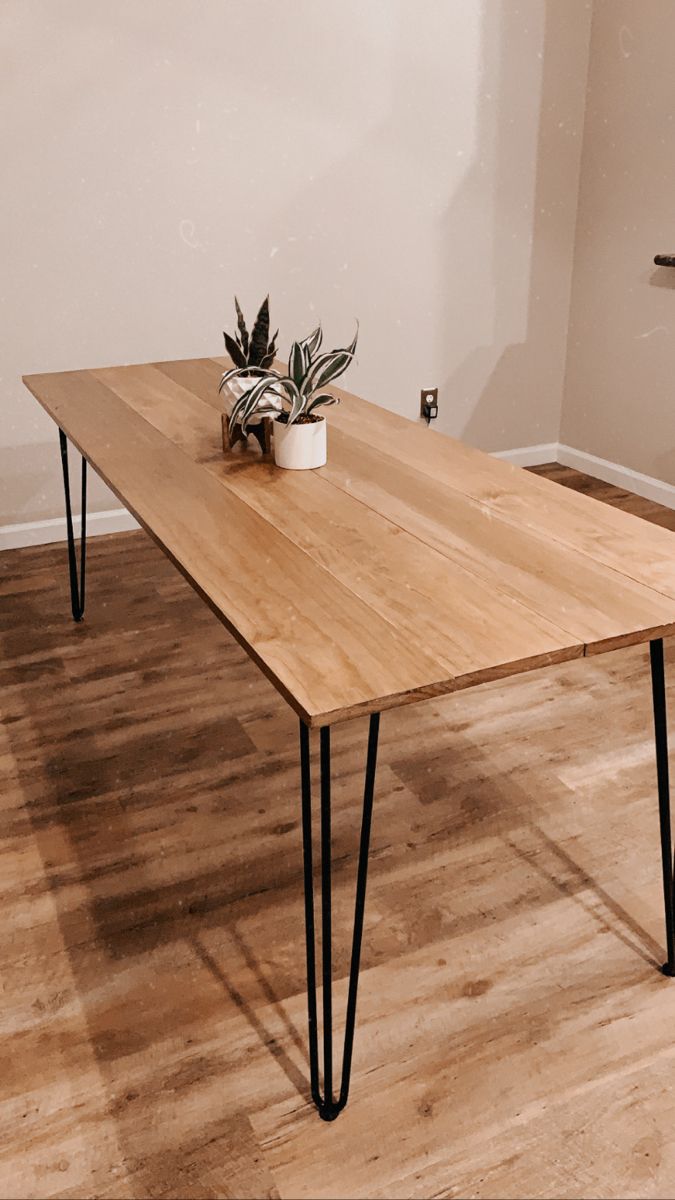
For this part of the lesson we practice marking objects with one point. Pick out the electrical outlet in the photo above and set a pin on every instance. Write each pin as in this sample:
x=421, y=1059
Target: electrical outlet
x=429, y=404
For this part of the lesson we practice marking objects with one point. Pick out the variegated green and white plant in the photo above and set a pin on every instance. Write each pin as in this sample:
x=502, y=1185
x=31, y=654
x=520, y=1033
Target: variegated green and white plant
x=301, y=390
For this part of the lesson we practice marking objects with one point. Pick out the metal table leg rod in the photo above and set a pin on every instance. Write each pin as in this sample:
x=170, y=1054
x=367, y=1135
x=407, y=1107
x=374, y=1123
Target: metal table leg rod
x=76, y=583
x=328, y=1107
x=661, y=741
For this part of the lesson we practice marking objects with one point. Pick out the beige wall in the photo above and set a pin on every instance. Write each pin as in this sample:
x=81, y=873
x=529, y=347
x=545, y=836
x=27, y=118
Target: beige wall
x=410, y=162
x=621, y=358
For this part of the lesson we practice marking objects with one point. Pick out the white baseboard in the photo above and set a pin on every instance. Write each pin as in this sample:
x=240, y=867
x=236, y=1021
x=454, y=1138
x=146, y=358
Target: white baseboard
x=530, y=456
x=40, y=533
x=590, y=464
x=118, y=520
x=623, y=477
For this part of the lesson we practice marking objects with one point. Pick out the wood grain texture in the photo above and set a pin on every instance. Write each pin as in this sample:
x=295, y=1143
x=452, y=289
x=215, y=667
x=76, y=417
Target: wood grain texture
x=513, y=1037
x=409, y=567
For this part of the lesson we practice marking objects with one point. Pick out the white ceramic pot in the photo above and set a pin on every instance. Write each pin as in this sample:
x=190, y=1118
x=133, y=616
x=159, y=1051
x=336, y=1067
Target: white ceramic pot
x=300, y=447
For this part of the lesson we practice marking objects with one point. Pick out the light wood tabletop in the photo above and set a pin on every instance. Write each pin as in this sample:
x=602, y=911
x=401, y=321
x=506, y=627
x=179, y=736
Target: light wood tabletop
x=410, y=566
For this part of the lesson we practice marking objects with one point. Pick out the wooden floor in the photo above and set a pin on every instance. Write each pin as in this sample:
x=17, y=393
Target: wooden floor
x=514, y=1035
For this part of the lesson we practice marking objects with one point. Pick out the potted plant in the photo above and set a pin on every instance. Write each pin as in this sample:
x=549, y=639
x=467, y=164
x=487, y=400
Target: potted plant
x=252, y=354
x=299, y=440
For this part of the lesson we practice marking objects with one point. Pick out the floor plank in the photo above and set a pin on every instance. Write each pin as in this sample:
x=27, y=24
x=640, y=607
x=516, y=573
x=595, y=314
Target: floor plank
x=513, y=1033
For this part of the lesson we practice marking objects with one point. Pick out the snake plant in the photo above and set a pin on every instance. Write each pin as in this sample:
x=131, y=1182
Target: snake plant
x=254, y=352
x=300, y=390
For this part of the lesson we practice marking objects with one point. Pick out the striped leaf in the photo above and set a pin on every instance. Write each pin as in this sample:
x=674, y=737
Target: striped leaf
x=323, y=398
x=253, y=418
x=237, y=409
x=243, y=331
x=236, y=372
x=326, y=368
x=228, y=375
x=295, y=398
x=312, y=341
x=253, y=403
x=235, y=352
x=245, y=407
x=297, y=364
x=271, y=352
x=256, y=393
x=260, y=334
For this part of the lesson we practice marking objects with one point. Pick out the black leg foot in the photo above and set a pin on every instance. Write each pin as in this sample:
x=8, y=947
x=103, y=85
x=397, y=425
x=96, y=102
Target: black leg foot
x=661, y=741
x=76, y=583
x=328, y=1107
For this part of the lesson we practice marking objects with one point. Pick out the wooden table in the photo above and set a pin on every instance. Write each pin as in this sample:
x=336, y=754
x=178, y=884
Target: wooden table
x=410, y=566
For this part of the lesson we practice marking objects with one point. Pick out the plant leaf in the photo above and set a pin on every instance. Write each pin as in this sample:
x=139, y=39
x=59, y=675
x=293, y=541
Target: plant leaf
x=296, y=364
x=352, y=347
x=237, y=409
x=245, y=407
x=271, y=352
x=326, y=368
x=267, y=412
x=235, y=372
x=234, y=351
x=256, y=393
x=239, y=416
x=297, y=400
x=313, y=341
x=249, y=403
x=227, y=376
x=260, y=335
x=243, y=331
x=287, y=391
x=323, y=398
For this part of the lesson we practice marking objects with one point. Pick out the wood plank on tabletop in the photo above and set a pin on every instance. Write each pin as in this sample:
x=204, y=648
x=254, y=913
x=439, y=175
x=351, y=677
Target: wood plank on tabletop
x=200, y=376
x=171, y=406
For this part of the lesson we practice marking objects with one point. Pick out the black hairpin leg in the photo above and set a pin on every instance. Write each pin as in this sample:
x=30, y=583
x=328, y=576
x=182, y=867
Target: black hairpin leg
x=328, y=1107
x=661, y=739
x=76, y=584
